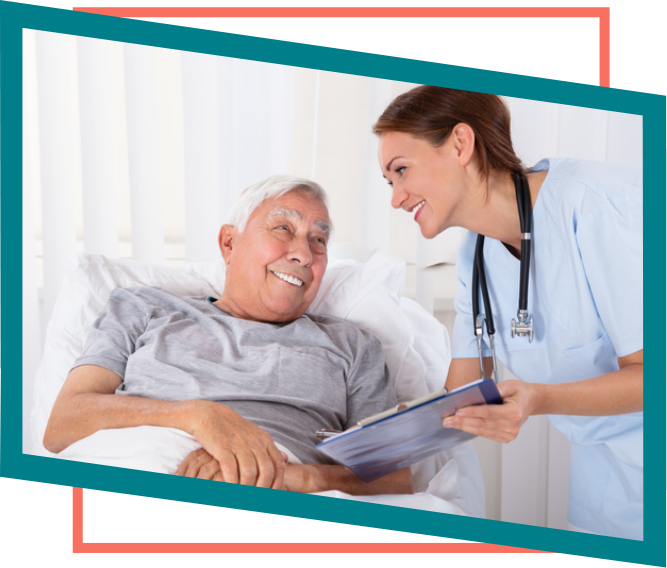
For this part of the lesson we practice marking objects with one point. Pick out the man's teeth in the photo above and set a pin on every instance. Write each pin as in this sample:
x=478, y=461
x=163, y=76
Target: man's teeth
x=418, y=207
x=288, y=278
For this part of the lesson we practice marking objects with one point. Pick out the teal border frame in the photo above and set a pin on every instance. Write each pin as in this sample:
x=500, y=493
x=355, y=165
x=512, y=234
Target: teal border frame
x=14, y=464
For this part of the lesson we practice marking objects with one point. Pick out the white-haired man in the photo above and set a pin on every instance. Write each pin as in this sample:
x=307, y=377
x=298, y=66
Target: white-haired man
x=245, y=373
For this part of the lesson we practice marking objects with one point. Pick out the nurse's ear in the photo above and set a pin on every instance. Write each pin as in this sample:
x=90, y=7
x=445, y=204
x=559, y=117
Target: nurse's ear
x=463, y=138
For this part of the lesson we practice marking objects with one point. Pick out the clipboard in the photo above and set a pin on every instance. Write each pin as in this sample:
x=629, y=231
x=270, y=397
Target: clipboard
x=408, y=433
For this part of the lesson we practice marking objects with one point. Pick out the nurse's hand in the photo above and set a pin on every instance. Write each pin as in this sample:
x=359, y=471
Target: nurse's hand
x=498, y=422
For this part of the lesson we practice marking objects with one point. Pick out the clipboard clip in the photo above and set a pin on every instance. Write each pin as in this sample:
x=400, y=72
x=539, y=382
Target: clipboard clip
x=323, y=434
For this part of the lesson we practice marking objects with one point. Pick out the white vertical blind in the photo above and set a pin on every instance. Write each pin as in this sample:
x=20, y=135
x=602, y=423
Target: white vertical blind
x=625, y=144
x=100, y=229
x=558, y=479
x=202, y=151
x=316, y=117
x=524, y=474
x=279, y=99
x=228, y=159
x=32, y=328
x=583, y=133
x=374, y=197
x=143, y=143
x=56, y=160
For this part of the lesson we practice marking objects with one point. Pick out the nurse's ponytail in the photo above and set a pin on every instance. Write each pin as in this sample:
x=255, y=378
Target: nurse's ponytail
x=432, y=112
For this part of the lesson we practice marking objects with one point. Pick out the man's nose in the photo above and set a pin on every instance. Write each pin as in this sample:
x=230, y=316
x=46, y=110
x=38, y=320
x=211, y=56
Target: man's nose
x=300, y=251
x=398, y=197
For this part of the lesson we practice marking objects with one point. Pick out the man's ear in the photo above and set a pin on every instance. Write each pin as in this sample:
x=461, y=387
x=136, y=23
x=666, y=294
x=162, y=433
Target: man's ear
x=463, y=137
x=226, y=241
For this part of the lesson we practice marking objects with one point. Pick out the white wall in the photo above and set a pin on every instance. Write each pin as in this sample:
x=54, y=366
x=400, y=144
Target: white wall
x=137, y=152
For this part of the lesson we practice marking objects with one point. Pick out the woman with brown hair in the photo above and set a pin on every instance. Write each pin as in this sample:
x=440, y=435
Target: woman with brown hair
x=578, y=353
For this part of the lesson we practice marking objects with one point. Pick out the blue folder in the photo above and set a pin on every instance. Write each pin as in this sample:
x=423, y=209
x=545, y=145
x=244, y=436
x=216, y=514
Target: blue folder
x=409, y=433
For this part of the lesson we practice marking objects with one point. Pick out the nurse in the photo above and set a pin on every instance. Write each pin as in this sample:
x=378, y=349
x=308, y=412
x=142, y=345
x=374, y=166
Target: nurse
x=449, y=158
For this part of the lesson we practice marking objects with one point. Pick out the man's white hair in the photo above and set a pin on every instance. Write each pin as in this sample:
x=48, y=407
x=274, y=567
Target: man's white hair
x=274, y=186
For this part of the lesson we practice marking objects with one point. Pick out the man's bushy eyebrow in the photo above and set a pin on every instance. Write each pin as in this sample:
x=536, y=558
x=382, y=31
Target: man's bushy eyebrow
x=324, y=227
x=285, y=213
x=292, y=213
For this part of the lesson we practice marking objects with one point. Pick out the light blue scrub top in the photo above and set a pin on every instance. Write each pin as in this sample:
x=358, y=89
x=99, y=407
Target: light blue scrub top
x=586, y=298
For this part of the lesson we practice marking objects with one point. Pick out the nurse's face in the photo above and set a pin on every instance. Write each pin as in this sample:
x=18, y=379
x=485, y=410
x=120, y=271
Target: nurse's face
x=427, y=182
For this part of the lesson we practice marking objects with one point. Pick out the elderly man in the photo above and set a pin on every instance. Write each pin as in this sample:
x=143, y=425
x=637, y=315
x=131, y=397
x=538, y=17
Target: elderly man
x=244, y=372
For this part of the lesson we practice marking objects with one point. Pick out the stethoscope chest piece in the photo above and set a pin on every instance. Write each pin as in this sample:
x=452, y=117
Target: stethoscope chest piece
x=524, y=326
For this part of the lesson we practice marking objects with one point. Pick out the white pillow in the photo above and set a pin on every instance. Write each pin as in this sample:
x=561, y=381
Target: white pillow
x=367, y=294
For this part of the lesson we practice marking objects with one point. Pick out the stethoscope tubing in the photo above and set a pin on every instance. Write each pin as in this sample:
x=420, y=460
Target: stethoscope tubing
x=479, y=277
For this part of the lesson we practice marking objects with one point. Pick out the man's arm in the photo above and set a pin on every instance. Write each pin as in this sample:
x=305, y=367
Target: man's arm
x=313, y=478
x=307, y=478
x=87, y=403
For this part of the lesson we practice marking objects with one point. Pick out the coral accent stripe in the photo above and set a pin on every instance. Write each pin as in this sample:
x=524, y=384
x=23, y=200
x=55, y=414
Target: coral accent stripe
x=345, y=12
x=234, y=542
x=257, y=12
x=77, y=508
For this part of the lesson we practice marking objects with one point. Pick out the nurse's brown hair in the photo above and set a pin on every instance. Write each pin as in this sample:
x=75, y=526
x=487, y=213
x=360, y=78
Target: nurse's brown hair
x=432, y=112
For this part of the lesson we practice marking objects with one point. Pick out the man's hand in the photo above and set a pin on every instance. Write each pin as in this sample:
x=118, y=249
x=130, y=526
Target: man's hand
x=87, y=404
x=245, y=453
x=305, y=478
x=313, y=478
x=200, y=464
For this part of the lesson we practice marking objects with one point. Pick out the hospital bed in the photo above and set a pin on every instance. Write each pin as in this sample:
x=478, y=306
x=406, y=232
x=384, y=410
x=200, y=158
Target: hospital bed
x=416, y=347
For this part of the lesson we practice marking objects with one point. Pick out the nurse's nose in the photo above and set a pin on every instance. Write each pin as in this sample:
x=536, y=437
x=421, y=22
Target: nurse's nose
x=398, y=197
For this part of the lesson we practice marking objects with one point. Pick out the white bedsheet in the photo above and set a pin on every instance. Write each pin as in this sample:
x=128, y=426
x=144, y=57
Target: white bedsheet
x=161, y=450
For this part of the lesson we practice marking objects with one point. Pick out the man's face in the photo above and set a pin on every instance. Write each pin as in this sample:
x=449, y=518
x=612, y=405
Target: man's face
x=275, y=266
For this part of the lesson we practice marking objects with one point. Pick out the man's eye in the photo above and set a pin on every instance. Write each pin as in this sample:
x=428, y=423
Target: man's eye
x=319, y=244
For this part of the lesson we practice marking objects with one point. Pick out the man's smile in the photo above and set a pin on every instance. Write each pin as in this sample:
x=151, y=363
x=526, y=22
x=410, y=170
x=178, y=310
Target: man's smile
x=287, y=278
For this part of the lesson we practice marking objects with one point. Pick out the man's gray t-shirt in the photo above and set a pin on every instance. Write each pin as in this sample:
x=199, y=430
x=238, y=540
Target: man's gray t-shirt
x=290, y=379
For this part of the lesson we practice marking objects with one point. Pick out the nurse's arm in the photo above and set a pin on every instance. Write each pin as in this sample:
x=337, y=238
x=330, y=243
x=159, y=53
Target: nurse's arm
x=464, y=371
x=619, y=392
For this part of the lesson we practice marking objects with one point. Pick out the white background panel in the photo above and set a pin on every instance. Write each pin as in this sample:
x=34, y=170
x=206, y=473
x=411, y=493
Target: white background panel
x=63, y=508
x=638, y=63
x=106, y=520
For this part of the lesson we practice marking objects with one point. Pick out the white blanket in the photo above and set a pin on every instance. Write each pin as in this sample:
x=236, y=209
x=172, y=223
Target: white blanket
x=161, y=450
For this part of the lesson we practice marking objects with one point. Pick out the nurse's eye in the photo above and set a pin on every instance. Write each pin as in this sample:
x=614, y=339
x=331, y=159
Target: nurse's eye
x=400, y=170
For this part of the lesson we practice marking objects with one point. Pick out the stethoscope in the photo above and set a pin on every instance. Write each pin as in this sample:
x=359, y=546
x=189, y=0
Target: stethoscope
x=522, y=325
